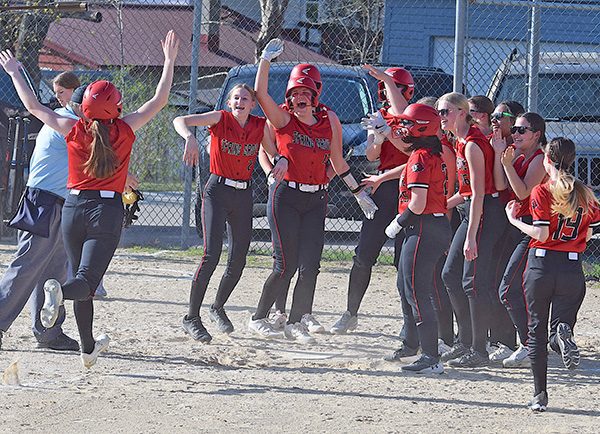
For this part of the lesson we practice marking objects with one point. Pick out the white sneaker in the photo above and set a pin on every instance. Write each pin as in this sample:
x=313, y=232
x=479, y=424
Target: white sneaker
x=312, y=324
x=100, y=346
x=518, y=359
x=298, y=332
x=262, y=327
x=345, y=323
x=278, y=320
x=53, y=299
x=500, y=353
x=443, y=347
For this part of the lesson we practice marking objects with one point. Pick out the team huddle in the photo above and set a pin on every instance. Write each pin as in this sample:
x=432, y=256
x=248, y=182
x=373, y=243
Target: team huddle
x=489, y=224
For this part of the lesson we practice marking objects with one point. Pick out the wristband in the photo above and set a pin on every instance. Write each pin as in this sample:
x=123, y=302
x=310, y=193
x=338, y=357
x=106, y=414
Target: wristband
x=350, y=181
x=407, y=218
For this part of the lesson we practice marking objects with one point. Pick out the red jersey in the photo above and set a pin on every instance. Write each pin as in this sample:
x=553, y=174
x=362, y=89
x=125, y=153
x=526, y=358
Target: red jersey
x=233, y=148
x=462, y=168
x=390, y=156
x=79, y=141
x=307, y=149
x=521, y=165
x=447, y=144
x=566, y=234
x=424, y=170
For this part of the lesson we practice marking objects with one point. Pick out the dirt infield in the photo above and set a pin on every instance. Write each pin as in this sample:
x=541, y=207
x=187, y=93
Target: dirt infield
x=155, y=379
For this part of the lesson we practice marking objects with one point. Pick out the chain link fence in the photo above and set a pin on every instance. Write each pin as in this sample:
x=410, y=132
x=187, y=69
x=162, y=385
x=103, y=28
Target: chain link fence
x=542, y=54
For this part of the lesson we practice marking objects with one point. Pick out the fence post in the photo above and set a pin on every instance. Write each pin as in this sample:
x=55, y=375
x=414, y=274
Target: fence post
x=187, y=178
x=533, y=57
x=460, y=33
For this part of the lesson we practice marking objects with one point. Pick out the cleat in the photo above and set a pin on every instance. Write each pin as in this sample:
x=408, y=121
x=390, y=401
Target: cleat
x=568, y=347
x=518, y=359
x=100, y=346
x=539, y=402
x=195, y=328
x=443, y=347
x=53, y=299
x=60, y=343
x=298, y=332
x=262, y=327
x=500, y=352
x=473, y=359
x=219, y=317
x=345, y=323
x=458, y=350
x=425, y=365
x=312, y=325
x=400, y=353
x=278, y=320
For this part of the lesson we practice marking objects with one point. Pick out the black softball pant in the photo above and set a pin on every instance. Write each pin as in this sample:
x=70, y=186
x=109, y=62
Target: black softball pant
x=552, y=279
x=475, y=279
x=297, y=222
x=91, y=227
x=510, y=290
x=222, y=206
x=424, y=243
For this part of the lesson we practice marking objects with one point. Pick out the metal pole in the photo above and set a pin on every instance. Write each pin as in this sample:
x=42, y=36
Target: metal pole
x=187, y=179
x=533, y=57
x=459, y=44
x=542, y=4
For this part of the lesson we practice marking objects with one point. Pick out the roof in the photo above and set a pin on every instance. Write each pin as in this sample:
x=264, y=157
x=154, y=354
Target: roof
x=98, y=44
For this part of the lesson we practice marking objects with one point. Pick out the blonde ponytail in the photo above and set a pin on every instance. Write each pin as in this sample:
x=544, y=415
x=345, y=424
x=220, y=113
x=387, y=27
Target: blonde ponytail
x=102, y=162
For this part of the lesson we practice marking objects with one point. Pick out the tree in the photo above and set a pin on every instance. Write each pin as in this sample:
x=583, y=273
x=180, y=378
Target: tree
x=271, y=23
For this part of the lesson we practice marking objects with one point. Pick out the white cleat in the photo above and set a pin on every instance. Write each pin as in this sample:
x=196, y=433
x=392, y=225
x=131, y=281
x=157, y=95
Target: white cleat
x=312, y=324
x=345, y=323
x=262, y=327
x=100, y=346
x=500, y=353
x=298, y=332
x=518, y=359
x=53, y=300
x=278, y=320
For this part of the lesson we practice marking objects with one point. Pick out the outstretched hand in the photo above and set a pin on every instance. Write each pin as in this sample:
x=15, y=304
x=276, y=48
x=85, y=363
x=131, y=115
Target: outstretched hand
x=10, y=64
x=272, y=50
x=170, y=46
x=378, y=74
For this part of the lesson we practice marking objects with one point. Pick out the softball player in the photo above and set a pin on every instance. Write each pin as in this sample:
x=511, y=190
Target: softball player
x=518, y=168
x=297, y=206
x=399, y=83
x=422, y=217
x=236, y=136
x=563, y=211
x=99, y=148
x=480, y=109
x=469, y=268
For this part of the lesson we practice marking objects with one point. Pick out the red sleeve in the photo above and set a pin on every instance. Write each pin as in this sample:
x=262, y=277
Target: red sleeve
x=540, y=205
x=417, y=171
x=595, y=217
x=218, y=128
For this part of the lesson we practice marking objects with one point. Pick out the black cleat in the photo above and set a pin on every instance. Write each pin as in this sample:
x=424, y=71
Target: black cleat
x=60, y=343
x=425, y=365
x=219, y=317
x=473, y=359
x=568, y=347
x=196, y=330
x=400, y=353
x=458, y=350
x=539, y=402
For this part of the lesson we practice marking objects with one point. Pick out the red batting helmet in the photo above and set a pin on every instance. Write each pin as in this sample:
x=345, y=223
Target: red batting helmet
x=307, y=82
x=424, y=120
x=102, y=101
x=308, y=70
x=401, y=77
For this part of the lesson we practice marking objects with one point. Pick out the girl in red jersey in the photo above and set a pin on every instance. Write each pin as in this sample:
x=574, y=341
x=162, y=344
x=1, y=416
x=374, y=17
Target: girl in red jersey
x=99, y=148
x=563, y=211
x=469, y=268
x=518, y=168
x=236, y=137
x=395, y=88
x=422, y=217
x=480, y=109
x=297, y=206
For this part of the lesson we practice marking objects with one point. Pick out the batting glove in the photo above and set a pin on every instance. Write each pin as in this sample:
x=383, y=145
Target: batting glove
x=376, y=123
x=273, y=49
x=366, y=203
x=393, y=228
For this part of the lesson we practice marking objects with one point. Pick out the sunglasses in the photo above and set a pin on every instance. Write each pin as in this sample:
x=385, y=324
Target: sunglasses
x=475, y=111
x=498, y=116
x=444, y=112
x=521, y=130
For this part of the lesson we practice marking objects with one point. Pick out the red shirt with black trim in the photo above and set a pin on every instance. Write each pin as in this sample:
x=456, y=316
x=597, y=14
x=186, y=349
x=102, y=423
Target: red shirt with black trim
x=424, y=170
x=79, y=141
x=307, y=149
x=233, y=148
x=521, y=165
x=390, y=156
x=566, y=234
x=462, y=168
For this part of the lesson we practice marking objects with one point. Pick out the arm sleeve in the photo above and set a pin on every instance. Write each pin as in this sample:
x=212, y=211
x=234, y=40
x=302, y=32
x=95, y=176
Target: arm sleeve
x=540, y=205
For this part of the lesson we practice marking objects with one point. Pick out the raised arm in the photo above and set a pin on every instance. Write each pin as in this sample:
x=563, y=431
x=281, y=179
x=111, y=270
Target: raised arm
x=397, y=101
x=149, y=109
x=278, y=117
x=59, y=123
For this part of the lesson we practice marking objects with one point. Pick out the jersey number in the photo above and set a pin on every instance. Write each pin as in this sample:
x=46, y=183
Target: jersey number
x=568, y=229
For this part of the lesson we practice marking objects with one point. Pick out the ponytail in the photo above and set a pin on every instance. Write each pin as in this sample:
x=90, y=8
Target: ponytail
x=102, y=162
x=569, y=194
